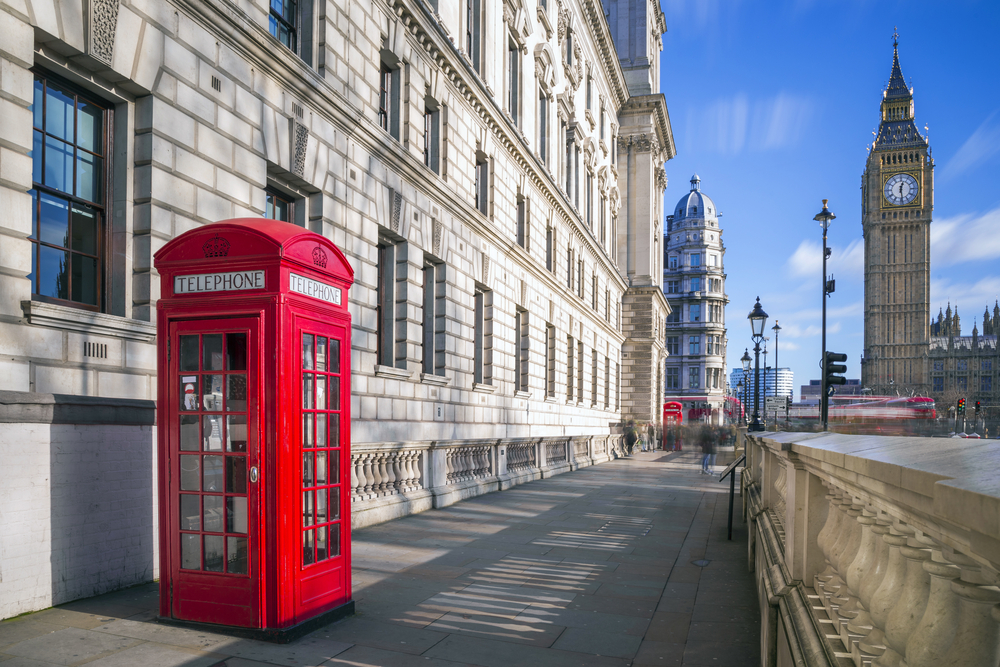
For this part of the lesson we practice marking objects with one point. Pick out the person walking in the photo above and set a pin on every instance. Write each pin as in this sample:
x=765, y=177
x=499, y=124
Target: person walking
x=705, y=439
x=630, y=437
x=671, y=438
x=650, y=437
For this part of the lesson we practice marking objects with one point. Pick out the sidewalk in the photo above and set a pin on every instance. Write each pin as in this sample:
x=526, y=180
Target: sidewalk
x=625, y=563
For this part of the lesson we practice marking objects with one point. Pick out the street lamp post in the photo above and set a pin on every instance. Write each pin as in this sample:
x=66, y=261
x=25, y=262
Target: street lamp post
x=763, y=396
x=758, y=318
x=824, y=218
x=739, y=397
x=745, y=360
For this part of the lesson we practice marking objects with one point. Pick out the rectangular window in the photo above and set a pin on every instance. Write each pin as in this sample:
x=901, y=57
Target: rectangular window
x=602, y=218
x=434, y=318
x=618, y=386
x=694, y=312
x=607, y=383
x=473, y=33
x=694, y=344
x=570, y=356
x=696, y=284
x=543, y=127
x=521, y=355
x=673, y=286
x=579, y=278
x=674, y=316
x=986, y=366
x=569, y=268
x=590, y=90
x=673, y=262
x=278, y=206
x=673, y=344
x=432, y=138
x=579, y=371
x=550, y=360
x=70, y=166
x=962, y=383
x=962, y=365
x=696, y=259
x=589, y=199
x=708, y=344
x=386, y=304
x=514, y=81
x=282, y=21
x=576, y=178
x=523, y=223
x=482, y=183
x=570, y=137
x=939, y=365
x=388, y=100
x=673, y=377
x=593, y=379
x=550, y=248
x=602, y=123
x=607, y=306
x=938, y=384
x=694, y=379
x=986, y=383
x=593, y=291
x=483, y=336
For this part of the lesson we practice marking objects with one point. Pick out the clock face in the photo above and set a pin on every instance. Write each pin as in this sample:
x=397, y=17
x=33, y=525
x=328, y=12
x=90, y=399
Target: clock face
x=900, y=189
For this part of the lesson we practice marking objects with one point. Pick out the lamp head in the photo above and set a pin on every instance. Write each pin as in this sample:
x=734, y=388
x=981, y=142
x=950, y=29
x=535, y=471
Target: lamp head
x=745, y=359
x=825, y=216
x=776, y=328
x=758, y=318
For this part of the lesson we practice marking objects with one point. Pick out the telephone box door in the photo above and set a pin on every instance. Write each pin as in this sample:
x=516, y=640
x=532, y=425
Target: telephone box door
x=214, y=470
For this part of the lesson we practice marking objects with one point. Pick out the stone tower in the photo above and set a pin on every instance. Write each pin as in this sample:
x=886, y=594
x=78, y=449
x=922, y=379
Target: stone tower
x=897, y=204
x=694, y=281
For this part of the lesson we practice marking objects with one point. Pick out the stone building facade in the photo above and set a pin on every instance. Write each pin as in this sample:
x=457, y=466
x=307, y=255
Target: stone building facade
x=897, y=205
x=965, y=366
x=694, y=280
x=492, y=169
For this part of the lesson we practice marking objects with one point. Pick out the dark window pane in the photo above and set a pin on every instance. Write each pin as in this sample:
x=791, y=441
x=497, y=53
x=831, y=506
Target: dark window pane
x=236, y=433
x=90, y=127
x=308, y=555
x=211, y=433
x=307, y=351
x=334, y=355
x=236, y=392
x=334, y=430
x=321, y=429
x=307, y=431
x=236, y=352
x=190, y=512
x=189, y=433
x=321, y=550
x=191, y=552
x=211, y=391
x=53, y=273
x=334, y=393
x=320, y=468
x=213, y=474
x=334, y=503
x=59, y=113
x=334, y=540
x=54, y=220
x=89, y=177
x=334, y=467
x=190, y=472
x=308, y=476
x=237, y=555
x=189, y=353
x=213, y=553
x=58, y=165
x=308, y=506
x=36, y=157
x=211, y=352
x=236, y=474
x=321, y=392
x=321, y=353
x=308, y=400
x=189, y=392
x=213, y=513
x=37, y=102
x=84, y=279
x=236, y=514
x=84, y=230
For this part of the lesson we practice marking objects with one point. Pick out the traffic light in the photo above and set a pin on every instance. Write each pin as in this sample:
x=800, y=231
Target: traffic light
x=961, y=406
x=977, y=408
x=832, y=367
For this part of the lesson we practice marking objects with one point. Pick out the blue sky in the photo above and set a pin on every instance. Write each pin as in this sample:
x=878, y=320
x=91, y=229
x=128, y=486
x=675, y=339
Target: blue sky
x=773, y=104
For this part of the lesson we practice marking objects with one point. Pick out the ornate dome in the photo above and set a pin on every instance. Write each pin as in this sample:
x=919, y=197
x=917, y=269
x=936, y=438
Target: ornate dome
x=695, y=204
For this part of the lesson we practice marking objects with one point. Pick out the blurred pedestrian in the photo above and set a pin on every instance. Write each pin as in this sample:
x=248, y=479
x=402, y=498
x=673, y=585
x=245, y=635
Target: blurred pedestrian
x=630, y=437
x=706, y=438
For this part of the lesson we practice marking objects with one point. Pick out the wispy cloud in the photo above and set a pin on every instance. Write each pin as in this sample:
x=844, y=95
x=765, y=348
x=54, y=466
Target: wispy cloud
x=966, y=238
x=983, y=144
x=733, y=125
x=696, y=14
x=970, y=297
x=848, y=263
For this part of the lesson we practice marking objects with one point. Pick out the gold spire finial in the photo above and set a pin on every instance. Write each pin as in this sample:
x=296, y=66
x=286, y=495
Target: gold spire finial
x=895, y=36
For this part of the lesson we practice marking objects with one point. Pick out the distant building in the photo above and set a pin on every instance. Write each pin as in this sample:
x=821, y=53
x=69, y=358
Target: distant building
x=964, y=366
x=809, y=393
x=775, y=382
x=694, y=282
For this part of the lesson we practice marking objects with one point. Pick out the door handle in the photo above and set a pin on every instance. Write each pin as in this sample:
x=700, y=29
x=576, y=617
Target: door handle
x=253, y=474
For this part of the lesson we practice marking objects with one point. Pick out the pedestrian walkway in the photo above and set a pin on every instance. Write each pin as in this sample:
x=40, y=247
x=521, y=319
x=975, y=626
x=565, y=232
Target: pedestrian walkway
x=625, y=563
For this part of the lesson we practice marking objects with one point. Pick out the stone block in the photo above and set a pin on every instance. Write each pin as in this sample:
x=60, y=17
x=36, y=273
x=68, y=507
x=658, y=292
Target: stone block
x=149, y=57
x=15, y=169
x=126, y=41
x=61, y=380
x=181, y=61
x=233, y=186
x=15, y=375
x=170, y=122
x=215, y=147
x=16, y=81
x=16, y=206
x=140, y=355
x=18, y=42
x=37, y=342
x=212, y=207
x=194, y=102
x=123, y=385
x=194, y=168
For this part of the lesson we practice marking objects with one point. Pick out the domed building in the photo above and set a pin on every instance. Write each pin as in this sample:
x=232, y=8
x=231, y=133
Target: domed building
x=694, y=282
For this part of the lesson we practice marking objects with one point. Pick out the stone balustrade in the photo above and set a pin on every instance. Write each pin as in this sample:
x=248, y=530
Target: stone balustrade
x=874, y=551
x=391, y=480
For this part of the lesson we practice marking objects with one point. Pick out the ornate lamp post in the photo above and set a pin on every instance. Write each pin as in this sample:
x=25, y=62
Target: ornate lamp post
x=824, y=218
x=745, y=360
x=758, y=318
x=776, y=329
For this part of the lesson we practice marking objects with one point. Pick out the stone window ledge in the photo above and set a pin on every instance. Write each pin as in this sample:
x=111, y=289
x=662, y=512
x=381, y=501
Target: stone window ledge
x=382, y=370
x=483, y=388
x=430, y=378
x=522, y=394
x=98, y=324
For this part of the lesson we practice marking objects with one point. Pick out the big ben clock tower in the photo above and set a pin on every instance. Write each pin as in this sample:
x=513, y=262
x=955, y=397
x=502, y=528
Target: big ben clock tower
x=896, y=207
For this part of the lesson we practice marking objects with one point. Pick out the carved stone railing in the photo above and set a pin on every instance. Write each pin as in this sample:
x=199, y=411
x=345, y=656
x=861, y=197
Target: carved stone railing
x=395, y=479
x=872, y=550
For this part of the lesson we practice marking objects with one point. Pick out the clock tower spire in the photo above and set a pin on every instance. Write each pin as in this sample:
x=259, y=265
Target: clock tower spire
x=897, y=202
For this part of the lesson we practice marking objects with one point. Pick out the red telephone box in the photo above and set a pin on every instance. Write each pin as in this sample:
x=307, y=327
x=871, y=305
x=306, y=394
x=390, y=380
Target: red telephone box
x=254, y=428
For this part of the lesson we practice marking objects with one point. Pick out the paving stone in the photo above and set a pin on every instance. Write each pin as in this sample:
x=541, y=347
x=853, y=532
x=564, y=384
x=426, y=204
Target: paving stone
x=27, y=627
x=379, y=634
x=659, y=653
x=523, y=630
x=668, y=627
x=69, y=646
x=158, y=655
x=587, y=620
x=598, y=642
x=312, y=649
x=163, y=634
x=492, y=653
x=366, y=656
